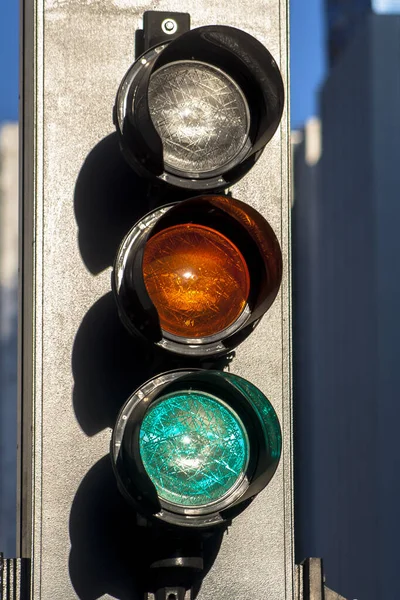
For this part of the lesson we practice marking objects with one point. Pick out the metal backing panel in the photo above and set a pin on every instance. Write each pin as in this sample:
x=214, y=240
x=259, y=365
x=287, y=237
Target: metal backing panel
x=84, y=366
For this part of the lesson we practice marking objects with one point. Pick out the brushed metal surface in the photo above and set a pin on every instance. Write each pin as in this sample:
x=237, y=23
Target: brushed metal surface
x=79, y=198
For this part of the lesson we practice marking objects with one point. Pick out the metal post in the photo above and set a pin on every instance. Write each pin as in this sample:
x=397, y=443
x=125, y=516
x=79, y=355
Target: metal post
x=77, y=363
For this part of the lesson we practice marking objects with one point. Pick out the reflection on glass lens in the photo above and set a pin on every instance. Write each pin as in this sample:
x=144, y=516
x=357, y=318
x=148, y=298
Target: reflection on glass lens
x=194, y=448
x=200, y=114
x=196, y=278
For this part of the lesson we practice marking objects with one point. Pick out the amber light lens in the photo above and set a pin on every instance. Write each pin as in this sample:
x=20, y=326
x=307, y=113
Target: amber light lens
x=196, y=278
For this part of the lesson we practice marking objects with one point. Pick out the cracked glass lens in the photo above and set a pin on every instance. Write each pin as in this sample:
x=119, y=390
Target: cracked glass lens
x=200, y=114
x=194, y=448
x=196, y=278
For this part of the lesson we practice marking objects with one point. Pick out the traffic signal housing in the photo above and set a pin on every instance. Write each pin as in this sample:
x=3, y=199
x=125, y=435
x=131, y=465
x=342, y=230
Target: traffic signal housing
x=191, y=448
x=64, y=311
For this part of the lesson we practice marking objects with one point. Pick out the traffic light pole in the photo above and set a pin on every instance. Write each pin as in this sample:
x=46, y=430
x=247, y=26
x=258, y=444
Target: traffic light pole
x=310, y=582
x=77, y=364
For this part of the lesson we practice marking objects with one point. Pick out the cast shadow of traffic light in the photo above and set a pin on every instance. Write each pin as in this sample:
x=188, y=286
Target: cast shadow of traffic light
x=110, y=553
x=109, y=199
x=108, y=548
x=109, y=364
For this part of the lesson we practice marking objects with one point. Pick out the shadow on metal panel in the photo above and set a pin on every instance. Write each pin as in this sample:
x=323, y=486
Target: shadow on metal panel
x=109, y=199
x=109, y=364
x=110, y=553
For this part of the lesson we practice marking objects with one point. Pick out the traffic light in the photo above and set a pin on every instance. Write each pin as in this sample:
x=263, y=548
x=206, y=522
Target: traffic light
x=169, y=473
x=191, y=448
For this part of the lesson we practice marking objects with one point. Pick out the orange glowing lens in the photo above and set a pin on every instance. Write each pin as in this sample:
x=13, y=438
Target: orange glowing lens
x=196, y=278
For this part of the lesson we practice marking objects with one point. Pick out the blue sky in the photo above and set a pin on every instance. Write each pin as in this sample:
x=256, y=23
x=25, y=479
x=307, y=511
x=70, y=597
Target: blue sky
x=307, y=58
x=9, y=23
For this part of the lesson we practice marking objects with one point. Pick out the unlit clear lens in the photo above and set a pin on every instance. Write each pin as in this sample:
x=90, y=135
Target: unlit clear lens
x=201, y=116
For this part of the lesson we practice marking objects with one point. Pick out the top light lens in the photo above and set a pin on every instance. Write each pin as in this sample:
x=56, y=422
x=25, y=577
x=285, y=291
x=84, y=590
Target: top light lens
x=196, y=278
x=201, y=115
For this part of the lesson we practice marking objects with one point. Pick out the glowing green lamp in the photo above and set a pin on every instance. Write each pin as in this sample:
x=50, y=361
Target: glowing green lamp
x=193, y=447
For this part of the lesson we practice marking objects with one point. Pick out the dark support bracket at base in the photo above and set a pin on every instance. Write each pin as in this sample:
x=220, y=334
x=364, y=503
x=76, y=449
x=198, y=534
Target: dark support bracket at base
x=310, y=582
x=175, y=593
x=14, y=578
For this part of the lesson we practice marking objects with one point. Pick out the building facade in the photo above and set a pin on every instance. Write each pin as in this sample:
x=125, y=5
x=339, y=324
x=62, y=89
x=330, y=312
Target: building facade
x=343, y=18
x=347, y=393
x=306, y=147
x=8, y=334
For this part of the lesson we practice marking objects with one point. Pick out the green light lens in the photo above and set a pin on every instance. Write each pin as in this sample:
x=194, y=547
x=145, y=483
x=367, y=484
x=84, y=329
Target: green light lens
x=194, y=448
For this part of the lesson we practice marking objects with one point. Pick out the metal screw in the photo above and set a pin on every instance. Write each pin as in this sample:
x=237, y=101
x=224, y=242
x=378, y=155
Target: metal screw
x=169, y=26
